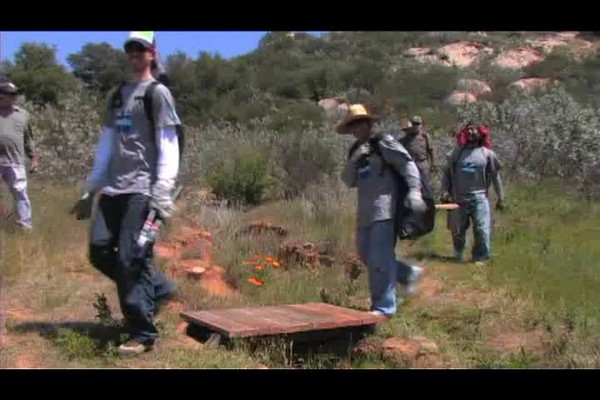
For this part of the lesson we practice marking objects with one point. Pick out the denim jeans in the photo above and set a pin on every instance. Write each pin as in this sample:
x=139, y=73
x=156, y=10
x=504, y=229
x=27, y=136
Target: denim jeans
x=475, y=209
x=117, y=223
x=16, y=179
x=376, y=248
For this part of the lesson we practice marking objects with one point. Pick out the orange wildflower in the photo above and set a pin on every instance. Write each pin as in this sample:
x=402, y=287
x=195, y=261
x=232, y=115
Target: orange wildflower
x=276, y=264
x=259, y=267
x=255, y=281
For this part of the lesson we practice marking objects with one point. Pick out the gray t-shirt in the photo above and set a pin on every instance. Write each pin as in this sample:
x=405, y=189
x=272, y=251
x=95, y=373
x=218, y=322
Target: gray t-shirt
x=16, y=139
x=470, y=171
x=133, y=165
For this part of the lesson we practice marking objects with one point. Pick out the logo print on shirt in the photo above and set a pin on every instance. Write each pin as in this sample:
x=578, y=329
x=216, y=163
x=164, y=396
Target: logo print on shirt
x=124, y=123
x=469, y=168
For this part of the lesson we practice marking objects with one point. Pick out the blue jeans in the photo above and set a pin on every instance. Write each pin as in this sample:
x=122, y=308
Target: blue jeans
x=376, y=248
x=16, y=180
x=140, y=286
x=475, y=209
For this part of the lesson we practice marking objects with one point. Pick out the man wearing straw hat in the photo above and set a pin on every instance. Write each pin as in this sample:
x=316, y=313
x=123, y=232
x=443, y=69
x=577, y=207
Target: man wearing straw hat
x=369, y=169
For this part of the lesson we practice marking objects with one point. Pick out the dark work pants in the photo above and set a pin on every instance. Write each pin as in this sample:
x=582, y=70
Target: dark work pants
x=117, y=224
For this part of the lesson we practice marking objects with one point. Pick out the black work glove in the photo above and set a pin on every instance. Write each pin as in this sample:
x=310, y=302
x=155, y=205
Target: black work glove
x=446, y=198
x=500, y=205
x=83, y=208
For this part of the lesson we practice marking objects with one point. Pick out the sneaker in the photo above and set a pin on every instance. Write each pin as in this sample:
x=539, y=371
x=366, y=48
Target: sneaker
x=134, y=347
x=417, y=274
x=380, y=314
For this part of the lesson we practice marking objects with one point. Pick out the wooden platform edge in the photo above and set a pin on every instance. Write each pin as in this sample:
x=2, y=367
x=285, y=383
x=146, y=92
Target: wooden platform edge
x=366, y=319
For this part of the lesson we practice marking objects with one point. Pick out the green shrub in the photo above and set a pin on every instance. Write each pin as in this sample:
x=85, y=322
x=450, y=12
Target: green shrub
x=242, y=178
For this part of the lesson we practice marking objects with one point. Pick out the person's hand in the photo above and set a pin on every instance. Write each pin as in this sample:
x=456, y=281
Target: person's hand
x=35, y=162
x=362, y=150
x=446, y=198
x=162, y=201
x=83, y=208
x=415, y=201
x=500, y=205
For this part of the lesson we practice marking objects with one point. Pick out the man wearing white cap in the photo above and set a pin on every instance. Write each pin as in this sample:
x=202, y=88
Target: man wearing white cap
x=373, y=161
x=135, y=168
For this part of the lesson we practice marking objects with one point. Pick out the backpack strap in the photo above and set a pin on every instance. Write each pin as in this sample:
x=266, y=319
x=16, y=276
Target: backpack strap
x=116, y=100
x=148, y=107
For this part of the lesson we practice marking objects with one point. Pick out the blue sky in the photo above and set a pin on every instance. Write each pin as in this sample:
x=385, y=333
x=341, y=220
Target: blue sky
x=228, y=44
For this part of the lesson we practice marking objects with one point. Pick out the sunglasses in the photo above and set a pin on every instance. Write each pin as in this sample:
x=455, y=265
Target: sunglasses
x=135, y=48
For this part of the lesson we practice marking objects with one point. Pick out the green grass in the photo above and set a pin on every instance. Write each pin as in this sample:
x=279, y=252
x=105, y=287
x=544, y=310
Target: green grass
x=544, y=277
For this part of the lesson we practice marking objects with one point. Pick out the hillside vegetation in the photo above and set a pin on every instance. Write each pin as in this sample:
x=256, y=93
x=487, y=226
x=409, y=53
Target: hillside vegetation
x=260, y=136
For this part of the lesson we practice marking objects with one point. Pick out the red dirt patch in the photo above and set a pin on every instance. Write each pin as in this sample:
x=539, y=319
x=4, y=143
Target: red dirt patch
x=28, y=361
x=416, y=351
x=189, y=253
x=512, y=341
x=19, y=313
x=529, y=84
x=458, y=97
x=299, y=252
x=518, y=58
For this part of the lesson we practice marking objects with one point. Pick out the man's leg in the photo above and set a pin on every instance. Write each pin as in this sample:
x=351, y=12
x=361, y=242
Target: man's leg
x=105, y=236
x=136, y=278
x=381, y=262
x=16, y=179
x=459, y=227
x=481, y=229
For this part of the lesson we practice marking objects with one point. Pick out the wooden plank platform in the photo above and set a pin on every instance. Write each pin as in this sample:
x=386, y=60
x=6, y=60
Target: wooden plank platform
x=274, y=320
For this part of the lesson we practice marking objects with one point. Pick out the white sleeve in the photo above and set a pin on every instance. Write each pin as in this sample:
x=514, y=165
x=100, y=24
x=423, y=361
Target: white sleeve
x=103, y=155
x=168, y=155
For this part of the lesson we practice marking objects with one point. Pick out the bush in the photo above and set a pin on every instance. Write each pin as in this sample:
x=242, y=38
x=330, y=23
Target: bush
x=66, y=135
x=243, y=178
x=304, y=158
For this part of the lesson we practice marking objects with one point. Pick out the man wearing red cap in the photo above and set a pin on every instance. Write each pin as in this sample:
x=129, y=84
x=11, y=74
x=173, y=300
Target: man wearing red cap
x=469, y=171
x=135, y=168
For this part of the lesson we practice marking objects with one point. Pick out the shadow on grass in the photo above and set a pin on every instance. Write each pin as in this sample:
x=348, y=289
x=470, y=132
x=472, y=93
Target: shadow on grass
x=433, y=256
x=312, y=349
x=101, y=334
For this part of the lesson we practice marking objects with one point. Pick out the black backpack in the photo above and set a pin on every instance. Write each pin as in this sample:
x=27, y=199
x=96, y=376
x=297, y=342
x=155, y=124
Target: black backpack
x=409, y=225
x=117, y=101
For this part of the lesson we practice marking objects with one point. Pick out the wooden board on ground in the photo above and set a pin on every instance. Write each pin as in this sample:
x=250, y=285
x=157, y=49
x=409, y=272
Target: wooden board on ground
x=447, y=206
x=274, y=320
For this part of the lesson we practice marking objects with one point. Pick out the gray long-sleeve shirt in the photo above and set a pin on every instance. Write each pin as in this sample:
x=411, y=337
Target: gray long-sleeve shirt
x=470, y=171
x=377, y=191
x=16, y=138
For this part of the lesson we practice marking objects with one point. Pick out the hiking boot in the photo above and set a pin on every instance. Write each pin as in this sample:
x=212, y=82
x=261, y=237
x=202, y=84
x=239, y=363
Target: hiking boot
x=417, y=274
x=458, y=256
x=135, y=347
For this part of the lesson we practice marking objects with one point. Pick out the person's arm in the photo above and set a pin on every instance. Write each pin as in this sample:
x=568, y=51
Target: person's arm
x=167, y=144
x=398, y=157
x=430, y=153
x=495, y=167
x=105, y=148
x=103, y=155
x=29, y=143
x=349, y=174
